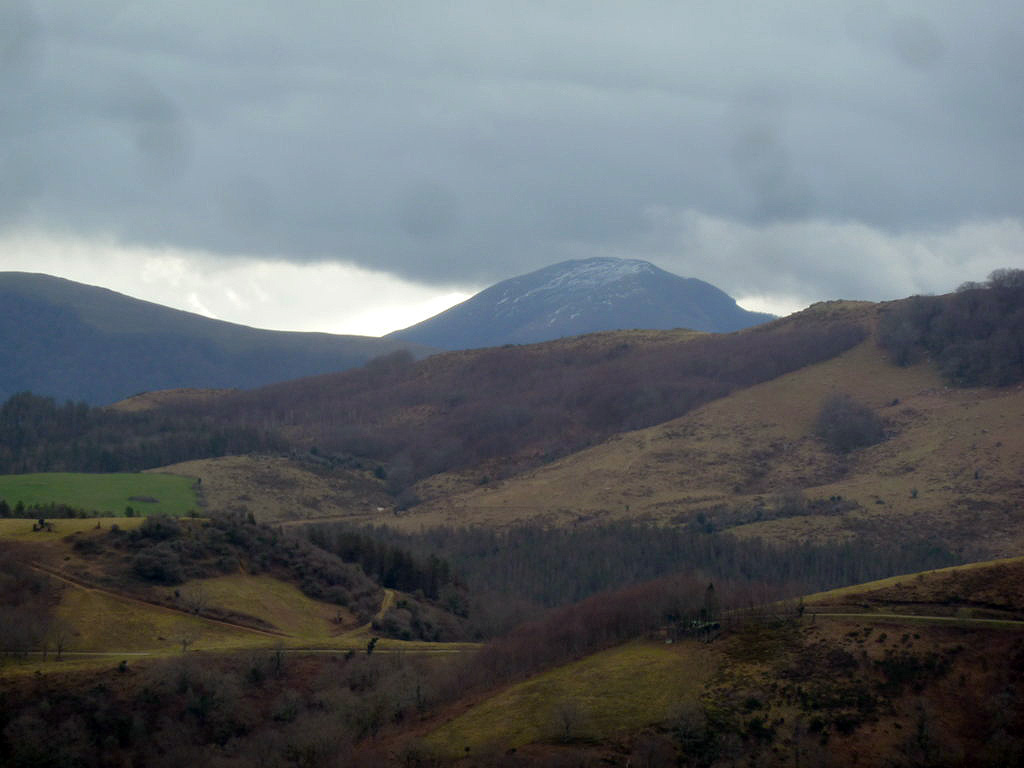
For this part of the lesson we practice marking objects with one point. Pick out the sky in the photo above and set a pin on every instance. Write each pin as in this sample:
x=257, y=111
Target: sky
x=355, y=166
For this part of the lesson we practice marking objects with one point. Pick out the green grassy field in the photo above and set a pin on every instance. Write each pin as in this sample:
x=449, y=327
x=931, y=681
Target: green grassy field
x=106, y=493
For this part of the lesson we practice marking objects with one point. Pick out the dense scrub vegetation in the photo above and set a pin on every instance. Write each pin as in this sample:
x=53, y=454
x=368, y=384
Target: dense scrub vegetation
x=846, y=425
x=975, y=336
x=27, y=599
x=388, y=564
x=169, y=551
x=263, y=708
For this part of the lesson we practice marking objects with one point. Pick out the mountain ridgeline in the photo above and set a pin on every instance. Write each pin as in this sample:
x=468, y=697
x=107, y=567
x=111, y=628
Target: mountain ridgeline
x=578, y=297
x=454, y=411
x=78, y=342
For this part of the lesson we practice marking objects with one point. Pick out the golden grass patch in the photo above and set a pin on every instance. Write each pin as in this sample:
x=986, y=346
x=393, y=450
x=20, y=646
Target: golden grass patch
x=833, y=595
x=105, y=622
x=612, y=692
x=276, y=602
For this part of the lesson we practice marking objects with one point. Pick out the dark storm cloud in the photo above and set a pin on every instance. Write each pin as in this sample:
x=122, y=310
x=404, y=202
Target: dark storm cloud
x=475, y=140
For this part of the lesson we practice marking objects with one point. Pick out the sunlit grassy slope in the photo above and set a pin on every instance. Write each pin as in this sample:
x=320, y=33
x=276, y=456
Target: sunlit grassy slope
x=613, y=692
x=280, y=604
x=104, y=622
x=107, y=493
x=892, y=581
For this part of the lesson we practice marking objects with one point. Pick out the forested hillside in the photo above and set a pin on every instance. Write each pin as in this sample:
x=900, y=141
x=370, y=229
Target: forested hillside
x=516, y=407
x=975, y=336
x=509, y=407
x=519, y=572
x=37, y=434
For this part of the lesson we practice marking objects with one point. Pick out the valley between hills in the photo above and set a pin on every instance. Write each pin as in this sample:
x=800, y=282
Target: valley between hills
x=795, y=544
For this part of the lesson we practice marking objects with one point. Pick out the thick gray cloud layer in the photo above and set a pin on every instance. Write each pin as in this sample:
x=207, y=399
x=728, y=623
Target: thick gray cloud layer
x=468, y=141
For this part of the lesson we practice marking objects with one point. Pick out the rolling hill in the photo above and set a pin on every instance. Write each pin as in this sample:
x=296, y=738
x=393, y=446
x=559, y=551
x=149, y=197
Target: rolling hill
x=918, y=669
x=184, y=641
x=578, y=297
x=500, y=410
x=672, y=427
x=78, y=342
x=853, y=677
x=750, y=462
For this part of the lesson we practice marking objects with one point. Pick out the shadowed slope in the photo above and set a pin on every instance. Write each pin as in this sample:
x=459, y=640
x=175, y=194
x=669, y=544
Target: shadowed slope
x=79, y=342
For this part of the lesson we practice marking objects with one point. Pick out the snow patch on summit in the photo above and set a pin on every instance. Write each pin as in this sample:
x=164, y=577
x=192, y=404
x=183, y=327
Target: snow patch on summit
x=579, y=281
x=582, y=296
x=590, y=274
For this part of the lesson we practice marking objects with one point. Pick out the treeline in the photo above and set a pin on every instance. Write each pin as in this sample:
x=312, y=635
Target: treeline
x=386, y=563
x=261, y=708
x=602, y=621
x=513, y=574
x=27, y=598
x=975, y=336
x=39, y=435
x=521, y=406
x=43, y=511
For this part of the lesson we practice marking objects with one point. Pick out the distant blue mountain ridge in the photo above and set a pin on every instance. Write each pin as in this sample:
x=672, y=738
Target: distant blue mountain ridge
x=577, y=297
x=78, y=342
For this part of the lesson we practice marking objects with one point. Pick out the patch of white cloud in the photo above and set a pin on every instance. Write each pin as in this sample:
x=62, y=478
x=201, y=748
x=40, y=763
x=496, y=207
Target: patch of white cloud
x=781, y=267
x=778, y=267
x=773, y=305
x=328, y=297
x=199, y=308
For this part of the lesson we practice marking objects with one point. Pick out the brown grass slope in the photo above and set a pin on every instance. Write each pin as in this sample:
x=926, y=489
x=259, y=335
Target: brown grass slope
x=275, y=489
x=505, y=409
x=951, y=466
x=455, y=420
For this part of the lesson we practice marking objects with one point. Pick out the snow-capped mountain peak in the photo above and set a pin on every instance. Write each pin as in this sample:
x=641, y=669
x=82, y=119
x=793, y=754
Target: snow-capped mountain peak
x=581, y=296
